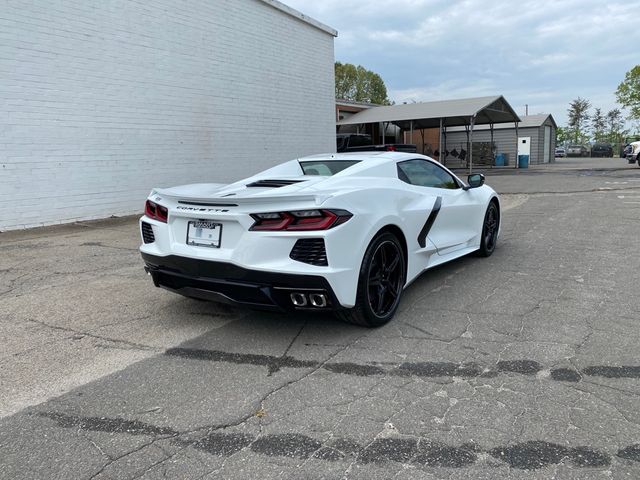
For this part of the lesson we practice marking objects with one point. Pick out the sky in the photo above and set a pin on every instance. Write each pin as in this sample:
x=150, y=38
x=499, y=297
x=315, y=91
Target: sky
x=538, y=53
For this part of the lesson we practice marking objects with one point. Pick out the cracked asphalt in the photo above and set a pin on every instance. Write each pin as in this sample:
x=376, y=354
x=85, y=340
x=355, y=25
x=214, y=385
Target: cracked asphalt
x=525, y=365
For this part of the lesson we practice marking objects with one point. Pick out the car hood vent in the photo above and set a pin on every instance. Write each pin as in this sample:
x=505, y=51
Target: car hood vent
x=273, y=183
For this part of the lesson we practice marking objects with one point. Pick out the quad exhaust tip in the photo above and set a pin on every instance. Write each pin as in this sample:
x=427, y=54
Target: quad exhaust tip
x=299, y=299
x=317, y=300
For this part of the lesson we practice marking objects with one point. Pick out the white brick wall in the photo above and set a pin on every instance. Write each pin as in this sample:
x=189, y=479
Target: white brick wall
x=102, y=100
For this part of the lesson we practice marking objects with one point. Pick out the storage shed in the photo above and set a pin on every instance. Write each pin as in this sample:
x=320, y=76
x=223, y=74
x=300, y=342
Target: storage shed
x=540, y=130
x=101, y=101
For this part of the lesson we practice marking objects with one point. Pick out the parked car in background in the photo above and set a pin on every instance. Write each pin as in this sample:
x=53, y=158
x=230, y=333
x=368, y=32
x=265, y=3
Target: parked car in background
x=560, y=152
x=602, y=150
x=624, y=150
x=350, y=140
x=633, y=152
x=358, y=142
x=577, y=151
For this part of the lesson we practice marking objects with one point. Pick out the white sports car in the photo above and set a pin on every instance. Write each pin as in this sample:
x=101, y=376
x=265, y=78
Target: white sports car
x=338, y=232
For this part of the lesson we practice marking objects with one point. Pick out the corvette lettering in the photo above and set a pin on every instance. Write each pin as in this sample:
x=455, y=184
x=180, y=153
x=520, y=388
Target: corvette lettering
x=202, y=209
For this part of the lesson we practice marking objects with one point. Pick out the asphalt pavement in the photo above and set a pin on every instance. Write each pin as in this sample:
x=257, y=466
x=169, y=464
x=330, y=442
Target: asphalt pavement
x=523, y=365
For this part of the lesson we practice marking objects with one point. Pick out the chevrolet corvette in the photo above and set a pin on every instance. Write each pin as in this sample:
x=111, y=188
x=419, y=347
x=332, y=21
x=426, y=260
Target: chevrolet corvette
x=345, y=233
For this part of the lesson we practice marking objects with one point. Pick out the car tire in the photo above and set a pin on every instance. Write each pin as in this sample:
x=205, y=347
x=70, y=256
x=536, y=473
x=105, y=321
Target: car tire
x=380, y=283
x=490, y=229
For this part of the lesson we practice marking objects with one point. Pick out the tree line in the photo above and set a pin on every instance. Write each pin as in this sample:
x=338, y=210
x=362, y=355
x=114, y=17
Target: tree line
x=584, y=125
x=356, y=83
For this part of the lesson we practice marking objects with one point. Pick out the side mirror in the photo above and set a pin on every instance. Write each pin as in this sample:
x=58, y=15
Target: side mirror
x=475, y=180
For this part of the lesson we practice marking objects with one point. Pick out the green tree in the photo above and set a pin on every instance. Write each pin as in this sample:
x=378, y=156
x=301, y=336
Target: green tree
x=598, y=125
x=359, y=84
x=578, y=117
x=562, y=135
x=628, y=92
x=615, y=126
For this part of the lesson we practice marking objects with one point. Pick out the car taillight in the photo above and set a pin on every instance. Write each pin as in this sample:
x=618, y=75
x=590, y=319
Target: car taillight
x=299, y=220
x=155, y=211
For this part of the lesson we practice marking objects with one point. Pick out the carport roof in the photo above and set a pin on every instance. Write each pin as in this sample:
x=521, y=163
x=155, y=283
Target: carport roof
x=527, y=121
x=458, y=112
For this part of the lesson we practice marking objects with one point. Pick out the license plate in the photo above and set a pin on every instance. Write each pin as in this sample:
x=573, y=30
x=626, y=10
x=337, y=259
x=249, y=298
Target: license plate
x=202, y=233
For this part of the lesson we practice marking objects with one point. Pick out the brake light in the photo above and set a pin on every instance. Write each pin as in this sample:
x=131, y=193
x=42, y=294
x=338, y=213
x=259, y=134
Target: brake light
x=155, y=211
x=391, y=148
x=299, y=220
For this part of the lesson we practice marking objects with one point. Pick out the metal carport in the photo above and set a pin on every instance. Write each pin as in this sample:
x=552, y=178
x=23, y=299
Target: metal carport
x=466, y=112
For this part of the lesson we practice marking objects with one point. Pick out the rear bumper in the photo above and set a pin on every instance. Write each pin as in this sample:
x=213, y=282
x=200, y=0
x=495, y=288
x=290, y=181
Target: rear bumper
x=227, y=283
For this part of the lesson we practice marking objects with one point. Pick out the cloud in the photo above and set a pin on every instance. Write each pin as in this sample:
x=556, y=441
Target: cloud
x=538, y=52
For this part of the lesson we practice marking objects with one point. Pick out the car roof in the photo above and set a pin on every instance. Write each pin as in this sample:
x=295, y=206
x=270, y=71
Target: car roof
x=363, y=156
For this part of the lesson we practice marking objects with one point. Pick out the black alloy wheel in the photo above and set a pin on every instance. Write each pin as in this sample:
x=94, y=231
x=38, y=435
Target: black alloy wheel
x=385, y=279
x=380, y=283
x=490, y=229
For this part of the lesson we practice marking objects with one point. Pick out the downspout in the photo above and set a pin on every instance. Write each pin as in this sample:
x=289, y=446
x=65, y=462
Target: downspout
x=440, y=142
x=516, y=160
x=473, y=121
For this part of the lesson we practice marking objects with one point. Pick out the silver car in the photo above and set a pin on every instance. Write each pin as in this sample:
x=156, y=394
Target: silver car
x=577, y=151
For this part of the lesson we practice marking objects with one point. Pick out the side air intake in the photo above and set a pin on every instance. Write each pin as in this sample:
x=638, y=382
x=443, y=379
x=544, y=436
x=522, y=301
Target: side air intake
x=147, y=233
x=311, y=251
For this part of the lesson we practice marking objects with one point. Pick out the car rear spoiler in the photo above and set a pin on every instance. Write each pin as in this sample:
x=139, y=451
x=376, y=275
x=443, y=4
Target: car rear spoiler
x=316, y=199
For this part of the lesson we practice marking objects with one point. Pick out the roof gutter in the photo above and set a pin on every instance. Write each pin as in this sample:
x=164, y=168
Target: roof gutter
x=300, y=16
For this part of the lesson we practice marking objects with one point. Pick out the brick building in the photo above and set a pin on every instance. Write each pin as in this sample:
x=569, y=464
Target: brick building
x=104, y=100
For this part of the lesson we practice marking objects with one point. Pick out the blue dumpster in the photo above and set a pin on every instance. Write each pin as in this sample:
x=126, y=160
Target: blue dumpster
x=523, y=161
x=501, y=160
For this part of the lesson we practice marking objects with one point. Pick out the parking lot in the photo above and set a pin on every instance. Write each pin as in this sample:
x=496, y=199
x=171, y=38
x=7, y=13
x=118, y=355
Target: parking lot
x=523, y=365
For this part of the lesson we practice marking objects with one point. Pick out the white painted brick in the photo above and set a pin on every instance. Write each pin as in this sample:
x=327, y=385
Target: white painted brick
x=101, y=101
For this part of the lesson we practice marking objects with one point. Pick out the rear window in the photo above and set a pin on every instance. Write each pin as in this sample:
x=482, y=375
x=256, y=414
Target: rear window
x=326, y=168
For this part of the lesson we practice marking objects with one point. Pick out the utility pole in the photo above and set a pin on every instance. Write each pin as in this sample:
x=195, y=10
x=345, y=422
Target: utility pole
x=526, y=109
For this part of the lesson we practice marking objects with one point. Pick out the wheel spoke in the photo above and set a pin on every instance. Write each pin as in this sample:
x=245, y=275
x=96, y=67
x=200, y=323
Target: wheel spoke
x=380, y=303
x=394, y=263
x=394, y=290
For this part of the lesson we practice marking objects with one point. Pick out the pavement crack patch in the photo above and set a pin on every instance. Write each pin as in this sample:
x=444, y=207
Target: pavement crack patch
x=411, y=369
x=632, y=452
x=272, y=362
x=294, y=445
x=408, y=450
x=625, y=371
x=538, y=454
x=109, y=425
